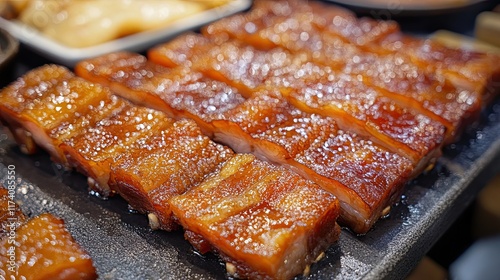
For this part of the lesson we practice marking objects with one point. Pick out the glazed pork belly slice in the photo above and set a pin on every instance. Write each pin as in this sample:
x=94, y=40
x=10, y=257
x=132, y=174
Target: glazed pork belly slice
x=429, y=93
x=180, y=51
x=45, y=250
x=164, y=165
x=93, y=150
x=290, y=23
x=365, y=177
x=122, y=71
x=245, y=67
x=471, y=70
x=365, y=110
x=178, y=92
x=25, y=92
x=61, y=104
x=264, y=221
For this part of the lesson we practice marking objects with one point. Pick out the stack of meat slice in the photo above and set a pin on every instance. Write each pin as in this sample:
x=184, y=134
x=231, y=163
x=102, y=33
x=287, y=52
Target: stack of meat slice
x=38, y=248
x=351, y=104
x=366, y=177
x=151, y=159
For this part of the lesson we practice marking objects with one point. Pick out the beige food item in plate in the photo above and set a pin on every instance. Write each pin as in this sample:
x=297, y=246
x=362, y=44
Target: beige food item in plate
x=85, y=23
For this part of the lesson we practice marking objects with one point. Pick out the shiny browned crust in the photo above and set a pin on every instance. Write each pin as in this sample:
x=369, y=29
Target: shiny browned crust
x=268, y=222
x=46, y=250
x=166, y=164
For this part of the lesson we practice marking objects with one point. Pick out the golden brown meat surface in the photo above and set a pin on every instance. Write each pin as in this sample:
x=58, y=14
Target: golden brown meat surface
x=96, y=147
x=178, y=92
x=166, y=164
x=45, y=250
x=265, y=221
x=364, y=110
x=364, y=176
x=44, y=101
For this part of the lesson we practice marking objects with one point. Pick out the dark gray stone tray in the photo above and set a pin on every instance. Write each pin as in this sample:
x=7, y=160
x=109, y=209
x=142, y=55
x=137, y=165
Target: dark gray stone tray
x=123, y=247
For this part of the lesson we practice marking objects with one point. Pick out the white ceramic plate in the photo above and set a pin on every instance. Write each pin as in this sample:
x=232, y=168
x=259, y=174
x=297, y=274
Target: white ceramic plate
x=137, y=42
x=408, y=6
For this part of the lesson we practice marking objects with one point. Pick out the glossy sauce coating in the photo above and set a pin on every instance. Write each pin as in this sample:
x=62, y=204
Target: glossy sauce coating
x=252, y=212
x=46, y=250
x=166, y=164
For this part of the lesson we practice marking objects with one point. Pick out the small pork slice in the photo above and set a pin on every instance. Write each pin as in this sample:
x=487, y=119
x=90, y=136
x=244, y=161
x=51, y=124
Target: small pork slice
x=245, y=67
x=259, y=26
x=292, y=25
x=179, y=92
x=23, y=93
x=121, y=71
x=265, y=221
x=45, y=249
x=93, y=150
x=474, y=71
x=428, y=92
x=11, y=217
x=56, y=104
x=180, y=51
x=164, y=165
x=365, y=110
x=366, y=178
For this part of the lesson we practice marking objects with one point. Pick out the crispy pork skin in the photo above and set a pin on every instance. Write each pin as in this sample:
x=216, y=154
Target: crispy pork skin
x=45, y=100
x=265, y=221
x=180, y=92
x=164, y=165
x=93, y=150
x=365, y=177
x=45, y=250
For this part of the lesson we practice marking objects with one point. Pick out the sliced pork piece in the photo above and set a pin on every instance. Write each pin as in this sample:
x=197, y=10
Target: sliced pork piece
x=179, y=92
x=430, y=93
x=45, y=250
x=59, y=105
x=265, y=221
x=164, y=165
x=365, y=177
x=365, y=110
x=24, y=93
x=245, y=67
x=181, y=51
x=123, y=71
x=474, y=71
x=93, y=150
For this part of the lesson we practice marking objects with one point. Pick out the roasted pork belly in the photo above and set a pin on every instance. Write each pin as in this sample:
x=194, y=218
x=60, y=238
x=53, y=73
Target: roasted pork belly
x=364, y=176
x=24, y=93
x=180, y=51
x=245, y=67
x=179, y=92
x=164, y=165
x=122, y=71
x=97, y=146
x=267, y=126
x=366, y=111
x=473, y=71
x=60, y=101
x=44, y=249
x=265, y=221
x=430, y=93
